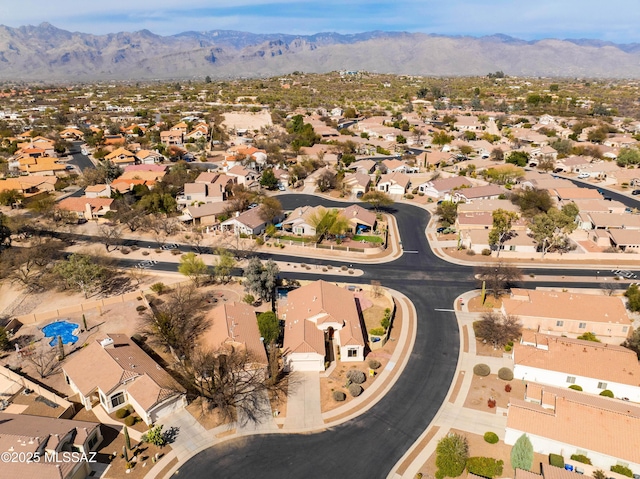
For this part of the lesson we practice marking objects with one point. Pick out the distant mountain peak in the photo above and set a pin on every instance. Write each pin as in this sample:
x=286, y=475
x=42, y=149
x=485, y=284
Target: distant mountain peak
x=45, y=52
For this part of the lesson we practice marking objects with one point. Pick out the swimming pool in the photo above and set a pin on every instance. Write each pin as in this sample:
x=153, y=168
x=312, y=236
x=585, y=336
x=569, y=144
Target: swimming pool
x=64, y=329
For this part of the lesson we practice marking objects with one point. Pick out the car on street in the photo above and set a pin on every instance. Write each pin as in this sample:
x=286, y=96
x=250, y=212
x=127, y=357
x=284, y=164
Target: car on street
x=583, y=176
x=635, y=192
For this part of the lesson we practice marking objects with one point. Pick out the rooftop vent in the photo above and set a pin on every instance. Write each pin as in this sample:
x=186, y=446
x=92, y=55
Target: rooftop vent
x=106, y=342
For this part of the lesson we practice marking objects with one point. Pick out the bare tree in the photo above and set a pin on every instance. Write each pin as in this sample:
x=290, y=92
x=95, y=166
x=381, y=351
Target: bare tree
x=233, y=382
x=376, y=288
x=497, y=329
x=195, y=239
x=498, y=276
x=43, y=358
x=111, y=236
x=178, y=321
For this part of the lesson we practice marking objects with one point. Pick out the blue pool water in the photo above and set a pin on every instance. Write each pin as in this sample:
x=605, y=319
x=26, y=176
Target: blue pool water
x=64, y=329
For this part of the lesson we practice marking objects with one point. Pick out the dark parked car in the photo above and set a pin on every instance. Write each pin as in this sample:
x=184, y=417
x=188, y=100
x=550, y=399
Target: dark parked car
x=635, y=192
x=441, y=229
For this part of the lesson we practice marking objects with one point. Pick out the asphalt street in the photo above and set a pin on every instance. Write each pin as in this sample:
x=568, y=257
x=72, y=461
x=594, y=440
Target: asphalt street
x=81, y=161
x=369, y=445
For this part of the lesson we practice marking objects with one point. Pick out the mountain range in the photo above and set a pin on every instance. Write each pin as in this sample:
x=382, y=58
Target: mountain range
x=47, y=53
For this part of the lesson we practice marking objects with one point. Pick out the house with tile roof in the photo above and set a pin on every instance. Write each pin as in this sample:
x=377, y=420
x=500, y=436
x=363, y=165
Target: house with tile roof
x=394, y=183
x=564, y=421
x=321, y=318
x=569, y=313
x=248, y=222
x=560, y=361
x=442, y=188
x=235, y=325
x=121, y=157
x=45, y=436
x=85, y=207
x=358, y=183
x=359, y=218
x=114, y=372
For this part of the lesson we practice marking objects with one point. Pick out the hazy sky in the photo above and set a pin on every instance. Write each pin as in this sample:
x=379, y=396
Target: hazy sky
x=614, y=20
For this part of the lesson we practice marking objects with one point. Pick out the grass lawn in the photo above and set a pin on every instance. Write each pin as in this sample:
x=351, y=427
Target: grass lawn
x=368, y=239
x=300, y=239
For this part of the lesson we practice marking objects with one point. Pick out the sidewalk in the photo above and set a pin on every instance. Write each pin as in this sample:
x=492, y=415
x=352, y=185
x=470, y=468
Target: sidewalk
x=452, y=414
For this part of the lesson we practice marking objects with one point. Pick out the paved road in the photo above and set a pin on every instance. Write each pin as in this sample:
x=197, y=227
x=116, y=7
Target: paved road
x=81, y=161
x=369, y=445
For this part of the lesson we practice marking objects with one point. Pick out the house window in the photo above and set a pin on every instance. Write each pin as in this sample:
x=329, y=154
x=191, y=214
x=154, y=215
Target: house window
x=103, y=399
x=625, y=329
x=602, y=385
x=117, y=399
x=93, y=441
x=560, y=323
x=352, y=353
x=582, y=325
x=571, y=379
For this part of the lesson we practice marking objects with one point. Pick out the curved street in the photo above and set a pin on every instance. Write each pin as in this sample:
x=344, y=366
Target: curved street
x=369, y=445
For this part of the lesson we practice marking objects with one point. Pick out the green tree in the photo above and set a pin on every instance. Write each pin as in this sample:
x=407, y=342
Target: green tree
x=518, y=158
x=501, y=231
x=270, y=209
x=522, y=454
x=10, y=197
x=5, y=231
x=269, y=326
x=448, y=212
x=328, y=223
x=193, y=267
x=81, y=272
x=401, y=140
x=260, y=280
x=598, y=135
x=503, y=174
x=268, y=179
x=4, y=339
x=157, y=202
x=497, y=154
x=532, y=201
x=452, y=453
x=224, y=264
x=551, y=230
x=628, y=157
x=633, y=295
x=441, y=138
x=377, y=199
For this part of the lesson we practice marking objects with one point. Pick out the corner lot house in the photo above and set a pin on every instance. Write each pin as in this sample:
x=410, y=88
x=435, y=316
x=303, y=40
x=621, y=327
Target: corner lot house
x=564, y=421
x=593, y=366
x=573, y=314
x=115, y=372
x=321, y=318
x=29, y=435
x=248, y=222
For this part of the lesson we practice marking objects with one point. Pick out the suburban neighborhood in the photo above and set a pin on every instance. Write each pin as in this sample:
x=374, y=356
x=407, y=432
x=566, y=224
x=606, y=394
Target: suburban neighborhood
x=181, y=268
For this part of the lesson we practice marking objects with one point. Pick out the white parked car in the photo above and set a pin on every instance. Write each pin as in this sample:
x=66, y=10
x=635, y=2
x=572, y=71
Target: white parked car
x=583, y=176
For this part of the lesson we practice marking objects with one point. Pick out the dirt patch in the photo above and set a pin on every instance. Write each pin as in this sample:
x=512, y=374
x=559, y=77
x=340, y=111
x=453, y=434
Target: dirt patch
x=337, y=380
x=485, y=349
x=478, y=447
x=490, y=303
x=140, y=458
x=491, y=387
x=207, y=419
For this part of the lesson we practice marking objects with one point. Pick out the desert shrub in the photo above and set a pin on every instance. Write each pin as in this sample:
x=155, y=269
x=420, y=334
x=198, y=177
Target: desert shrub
x=575, y=387
x=507, y=388
x=158, y=288
x=145, y=253
x=176, y=252
x=409, y=196
x=122, y=413
x=125, y=250
x=625, y=471
x=339, y=396
x=140, y=308
x=556, y=460
x=385, y=323
x=508, y=348
x=491, y=403
x=355, y=376
x=376, y=331
x=581, y=458
x=470, y=252
x=484, y=466
x=129, y=421
x=355, y=390
x=491, y=437
x=505, y=374
x=343, y=268
x=351, y=271
x=374, y=363
x=486, y=252
x=481, y=370
x=134, y=247
x=607, y=393
x=259, y=241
